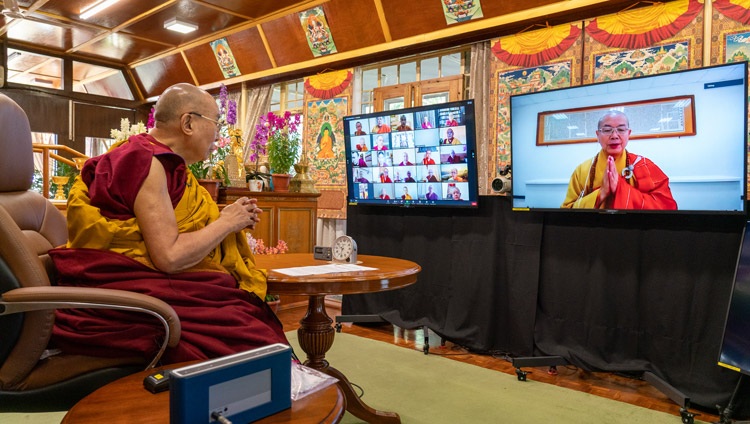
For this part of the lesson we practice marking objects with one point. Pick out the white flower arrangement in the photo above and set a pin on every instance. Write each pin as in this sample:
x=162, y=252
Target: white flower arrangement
x=126, y=130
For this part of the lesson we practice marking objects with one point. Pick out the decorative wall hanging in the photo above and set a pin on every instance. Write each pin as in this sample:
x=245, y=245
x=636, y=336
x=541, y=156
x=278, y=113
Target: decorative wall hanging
x=530, y=61
x=661, y=38
x=317, y=32
x=461, y=10
x=324, y=150
x=329, y=84
x=225, y=58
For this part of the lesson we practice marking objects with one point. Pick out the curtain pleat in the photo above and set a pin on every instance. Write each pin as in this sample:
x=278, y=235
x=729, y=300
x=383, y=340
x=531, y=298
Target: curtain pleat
x=644, y=27
x=535, y=48
x=258, y=102
x=739, y=10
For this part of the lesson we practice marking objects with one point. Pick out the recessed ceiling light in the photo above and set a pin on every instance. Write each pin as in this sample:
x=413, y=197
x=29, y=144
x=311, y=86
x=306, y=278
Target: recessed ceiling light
x=181, y=26
x=95, y=8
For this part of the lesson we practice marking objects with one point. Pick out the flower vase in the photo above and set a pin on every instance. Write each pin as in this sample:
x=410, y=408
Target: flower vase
x=212, y=186
x=255, y=185
x=235, y=172
x=281, y=182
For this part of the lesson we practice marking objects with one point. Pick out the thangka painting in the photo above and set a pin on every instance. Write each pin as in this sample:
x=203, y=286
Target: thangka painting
x=325, y=151
x=665, y=37
x=461, y=10
x=520, y=81
x=531, y=61
x=317, y=32
x=647, y=61
x=225, y=58
x=737, y=47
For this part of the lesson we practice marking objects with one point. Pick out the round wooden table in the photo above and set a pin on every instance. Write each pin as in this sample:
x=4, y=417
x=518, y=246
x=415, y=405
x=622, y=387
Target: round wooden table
x=126, y=401
x=316, y=332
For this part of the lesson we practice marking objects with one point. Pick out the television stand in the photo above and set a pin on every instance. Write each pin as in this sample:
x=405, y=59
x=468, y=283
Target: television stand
x=726, y=413
x=672, y=393
x=536, y=361
x=362, y=319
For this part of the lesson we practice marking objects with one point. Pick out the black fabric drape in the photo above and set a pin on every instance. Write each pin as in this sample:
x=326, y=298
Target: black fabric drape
x=619, y=293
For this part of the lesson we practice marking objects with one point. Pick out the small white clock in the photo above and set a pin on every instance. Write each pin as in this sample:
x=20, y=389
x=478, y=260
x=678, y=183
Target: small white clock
x=345, y=250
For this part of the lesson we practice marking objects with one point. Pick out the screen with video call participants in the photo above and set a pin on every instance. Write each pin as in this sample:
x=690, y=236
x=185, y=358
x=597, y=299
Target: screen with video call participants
x=422, y=156
x=669, y=143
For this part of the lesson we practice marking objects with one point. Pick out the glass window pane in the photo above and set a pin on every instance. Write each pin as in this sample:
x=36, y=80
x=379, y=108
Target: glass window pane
x=96, y=146
x=34, y=69
x=407, y=72
x=370, y=79
x=393, y=103
x=388, y=75
x=450, y=64
x=429, y=69
x=435, y=98
x=100, y=80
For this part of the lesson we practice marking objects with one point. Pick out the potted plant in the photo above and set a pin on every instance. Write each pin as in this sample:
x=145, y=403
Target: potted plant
x=212, y=172
x=281, y=139
x=258, y=247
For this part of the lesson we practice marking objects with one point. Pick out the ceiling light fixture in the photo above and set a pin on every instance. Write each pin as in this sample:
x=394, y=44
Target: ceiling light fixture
x=181, y=26
x=95, y=8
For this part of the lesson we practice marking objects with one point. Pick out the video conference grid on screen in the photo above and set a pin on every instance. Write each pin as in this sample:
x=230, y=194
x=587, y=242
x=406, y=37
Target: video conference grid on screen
x=411, y=157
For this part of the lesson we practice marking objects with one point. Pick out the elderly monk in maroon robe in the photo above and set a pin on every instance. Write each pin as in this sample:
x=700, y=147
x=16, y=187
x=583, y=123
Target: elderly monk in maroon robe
x=139, y=221
x=616, y=178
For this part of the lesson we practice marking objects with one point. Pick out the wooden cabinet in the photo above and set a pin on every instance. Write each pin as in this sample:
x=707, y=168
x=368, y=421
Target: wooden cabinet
x=291, y=217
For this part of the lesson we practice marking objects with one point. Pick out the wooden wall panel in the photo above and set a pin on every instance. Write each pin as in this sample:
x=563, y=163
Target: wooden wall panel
x=491, y=9
x=46, y=113
x=203, y=62
x=249, y=51
x=97, y=121
x=410, y=18
x=253, y=9
x=287, y=40
x=122, y=48
x=356, y=24
x=155, y=76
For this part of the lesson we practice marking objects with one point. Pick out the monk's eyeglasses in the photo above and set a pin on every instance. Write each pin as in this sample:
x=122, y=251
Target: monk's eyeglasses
x=610, y=130
x=217, y=123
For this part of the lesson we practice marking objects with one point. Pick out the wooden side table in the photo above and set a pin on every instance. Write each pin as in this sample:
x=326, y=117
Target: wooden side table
x=316, y=332
x=125, y=401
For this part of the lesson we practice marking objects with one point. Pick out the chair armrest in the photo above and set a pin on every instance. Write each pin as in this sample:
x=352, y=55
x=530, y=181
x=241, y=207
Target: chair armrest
x=27, y=299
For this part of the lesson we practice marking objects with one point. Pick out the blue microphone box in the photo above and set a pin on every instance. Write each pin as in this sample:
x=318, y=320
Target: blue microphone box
x=241, y=388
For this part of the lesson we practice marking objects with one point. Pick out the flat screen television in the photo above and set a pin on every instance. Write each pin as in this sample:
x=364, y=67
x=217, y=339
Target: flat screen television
x=687, y=147
x=735, y=345
x=421, y=156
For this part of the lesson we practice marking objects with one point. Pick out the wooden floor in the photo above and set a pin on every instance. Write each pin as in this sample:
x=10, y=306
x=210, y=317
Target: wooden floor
x=621, y=388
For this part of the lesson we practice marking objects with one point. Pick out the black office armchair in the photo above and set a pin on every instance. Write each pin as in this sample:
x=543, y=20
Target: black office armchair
x=33, y=377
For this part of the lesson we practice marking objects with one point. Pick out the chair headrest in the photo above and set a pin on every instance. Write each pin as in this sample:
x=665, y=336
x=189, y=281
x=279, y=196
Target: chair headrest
x=17, y=157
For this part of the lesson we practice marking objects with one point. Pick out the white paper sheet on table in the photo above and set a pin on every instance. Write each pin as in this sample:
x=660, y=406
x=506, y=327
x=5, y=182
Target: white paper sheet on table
x=322, y=269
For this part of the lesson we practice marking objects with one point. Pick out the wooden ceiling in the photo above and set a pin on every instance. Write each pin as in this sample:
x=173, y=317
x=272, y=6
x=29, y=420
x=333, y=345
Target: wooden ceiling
x=265, y=36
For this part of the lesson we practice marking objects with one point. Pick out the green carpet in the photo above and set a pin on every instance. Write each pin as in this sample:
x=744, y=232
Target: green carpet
x=432, y=389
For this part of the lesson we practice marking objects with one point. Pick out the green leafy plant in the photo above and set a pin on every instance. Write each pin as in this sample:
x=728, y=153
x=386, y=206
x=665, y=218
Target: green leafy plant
x=278, y=134
x=200, y=169
x=229, y=142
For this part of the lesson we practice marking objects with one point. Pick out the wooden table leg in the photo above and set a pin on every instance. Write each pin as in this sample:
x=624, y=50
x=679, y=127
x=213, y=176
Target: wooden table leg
x=316, y=338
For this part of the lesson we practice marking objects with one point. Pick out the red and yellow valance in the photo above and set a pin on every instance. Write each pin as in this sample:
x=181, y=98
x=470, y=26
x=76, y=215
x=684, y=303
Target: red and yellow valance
x=328, y=85
x=535, y=48
x=635, y=29
x=734, y=9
